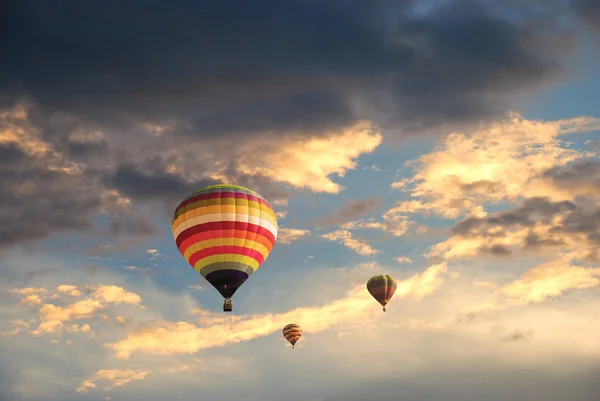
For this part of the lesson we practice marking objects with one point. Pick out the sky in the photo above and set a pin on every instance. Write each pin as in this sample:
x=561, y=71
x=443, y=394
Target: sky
x=451, y=144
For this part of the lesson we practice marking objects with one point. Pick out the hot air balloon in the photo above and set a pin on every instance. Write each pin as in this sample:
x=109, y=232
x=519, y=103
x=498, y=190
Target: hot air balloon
x=225, y=232
x=292, y=332
x=382, y=288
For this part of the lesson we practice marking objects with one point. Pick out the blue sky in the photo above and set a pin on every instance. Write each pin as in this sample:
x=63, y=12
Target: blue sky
x=443, y=143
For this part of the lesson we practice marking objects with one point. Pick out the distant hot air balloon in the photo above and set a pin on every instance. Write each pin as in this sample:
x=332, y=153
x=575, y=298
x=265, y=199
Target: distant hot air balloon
x=382, y=288
x=225, y=232
x=292, y=332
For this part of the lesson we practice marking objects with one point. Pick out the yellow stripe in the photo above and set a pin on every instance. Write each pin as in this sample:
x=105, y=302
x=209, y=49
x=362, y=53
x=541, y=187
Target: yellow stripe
x=254, y=210
x=247, y=260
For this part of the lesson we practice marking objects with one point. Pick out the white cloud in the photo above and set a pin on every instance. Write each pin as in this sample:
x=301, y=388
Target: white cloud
x=345, y=238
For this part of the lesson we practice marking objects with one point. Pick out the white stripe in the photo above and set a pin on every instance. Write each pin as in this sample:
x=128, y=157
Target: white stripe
x=244, y=218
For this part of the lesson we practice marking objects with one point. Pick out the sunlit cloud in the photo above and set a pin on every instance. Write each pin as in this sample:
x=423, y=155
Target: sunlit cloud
x=345, y=238
x=549, y=280
x=69, y=290
x=286, y=236
x=308, y=163
x=166, y=338
x=504, y=161
x=55, y=318
x=113, y=378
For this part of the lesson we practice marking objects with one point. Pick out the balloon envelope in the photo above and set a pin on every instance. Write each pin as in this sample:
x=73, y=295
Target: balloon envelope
x=292, y=332
x=382, y=288
x=225, y=232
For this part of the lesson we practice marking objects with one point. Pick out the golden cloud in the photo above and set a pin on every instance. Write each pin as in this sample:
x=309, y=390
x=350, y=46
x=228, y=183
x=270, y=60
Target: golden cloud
x=286, y=236
x=308, y=163
x=166, y=338
x=69, y=290
x=113, y=294
x=53, y=318
x=541, y=283
x=502, y=162
x=345, y=238
x=114, y=377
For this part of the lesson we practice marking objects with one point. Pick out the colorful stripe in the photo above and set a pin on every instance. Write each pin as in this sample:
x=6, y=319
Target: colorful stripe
x=292, y=332
x=225, y=232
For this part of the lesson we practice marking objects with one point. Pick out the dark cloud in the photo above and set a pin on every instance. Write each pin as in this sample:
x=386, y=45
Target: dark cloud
x=231, y=67
x=584, y=174
x=482, y=186
x=532, y=211
x=352, y=210
x=579, y=219
x=148, y=185
x=497, y=250
x=127, y=89
x=128, y=226
x=36, y=200
x=517, y=336
x=588, y=11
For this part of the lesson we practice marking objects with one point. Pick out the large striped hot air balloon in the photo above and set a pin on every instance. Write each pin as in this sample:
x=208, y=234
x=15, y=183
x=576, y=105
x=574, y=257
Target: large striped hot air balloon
x=292, y=332
x=225, y=232
x=382, y=288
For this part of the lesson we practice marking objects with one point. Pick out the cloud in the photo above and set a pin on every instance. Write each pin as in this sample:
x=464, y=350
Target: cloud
x=420, y=285
x=537, y=224
x=485, y=284
x=286, y=236
x=130, y=227
x=504, y=162
x=517, y=335
x=363, y=224
x=382, y=54
x=549, y=280
x=353, y=209
x=307, y=163
x=391, y=224
x=71, y=290
x=114, y=377
x=403, y=260
x=537, y=285
x=167, y=338
x=345, y=238
x=115, y=295
x=54, y=318
x=576, y=179
x=588, y=11
x=97, y=135
x=44, y=181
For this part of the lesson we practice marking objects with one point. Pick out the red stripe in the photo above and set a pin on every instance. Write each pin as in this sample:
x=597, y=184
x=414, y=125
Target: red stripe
x=196, y=238
x=250, y=229
x=218, y=250
x=215, y=195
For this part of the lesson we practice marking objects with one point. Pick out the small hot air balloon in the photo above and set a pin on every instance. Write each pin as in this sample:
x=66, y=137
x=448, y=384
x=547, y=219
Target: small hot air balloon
x=292, y=332
x=225, y=232
x=382, y=288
